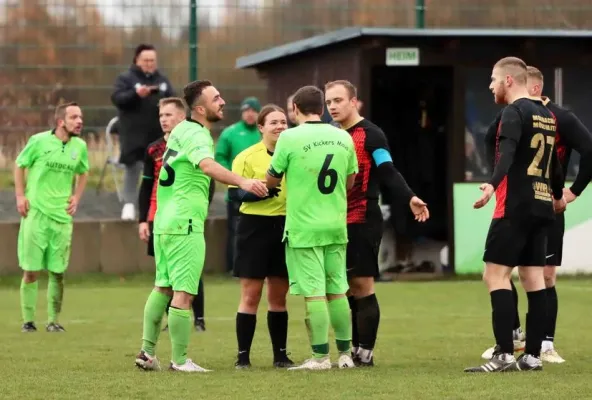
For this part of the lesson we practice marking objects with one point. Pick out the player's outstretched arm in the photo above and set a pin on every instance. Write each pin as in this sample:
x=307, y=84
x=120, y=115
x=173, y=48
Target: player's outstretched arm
x=214, y=170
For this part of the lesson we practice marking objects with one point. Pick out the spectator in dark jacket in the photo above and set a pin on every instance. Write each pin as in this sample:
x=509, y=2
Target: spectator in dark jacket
x=136, y=96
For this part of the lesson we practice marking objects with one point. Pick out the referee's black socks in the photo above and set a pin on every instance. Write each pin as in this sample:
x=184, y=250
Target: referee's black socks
x=536, y=321
x=552, y=309
x=504, y=312
x=277, y=323
x=245, y=330
x=368, y=319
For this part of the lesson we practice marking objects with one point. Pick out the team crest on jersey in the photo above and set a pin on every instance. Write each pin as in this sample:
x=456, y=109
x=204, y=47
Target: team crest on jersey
x=74, y=155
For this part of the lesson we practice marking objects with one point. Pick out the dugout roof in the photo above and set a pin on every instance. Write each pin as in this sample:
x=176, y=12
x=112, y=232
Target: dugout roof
x=346, y=34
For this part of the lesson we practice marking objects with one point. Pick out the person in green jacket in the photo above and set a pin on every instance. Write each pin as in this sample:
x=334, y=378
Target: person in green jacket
x=232, y=141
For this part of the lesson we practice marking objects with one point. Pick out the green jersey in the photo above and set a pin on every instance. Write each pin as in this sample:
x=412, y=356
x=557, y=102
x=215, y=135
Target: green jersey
x=317, y=158
x=52, y=165
x=183, y=188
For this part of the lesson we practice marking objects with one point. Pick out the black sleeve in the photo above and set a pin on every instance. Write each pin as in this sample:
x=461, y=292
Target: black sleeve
x=557, y=178
x=490, y=137
x=124, y=93
x=237, y=194
x=146, y=188
x=390, y=178
x=578, y=137
x=510, y=132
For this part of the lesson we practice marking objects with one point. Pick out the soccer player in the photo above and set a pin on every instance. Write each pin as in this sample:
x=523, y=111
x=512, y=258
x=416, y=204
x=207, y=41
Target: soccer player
x=53, y=159
x=364, y=216
x=179, y=244
x=529, y=188
x=260, y=251
x=571, y=135
x=171, y=112
x=320, y=164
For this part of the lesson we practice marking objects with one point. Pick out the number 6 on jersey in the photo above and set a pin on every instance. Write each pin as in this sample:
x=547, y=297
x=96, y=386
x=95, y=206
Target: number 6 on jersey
x=327, y=180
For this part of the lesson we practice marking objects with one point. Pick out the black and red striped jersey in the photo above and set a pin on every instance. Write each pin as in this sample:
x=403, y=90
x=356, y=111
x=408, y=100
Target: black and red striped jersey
x=362, y=199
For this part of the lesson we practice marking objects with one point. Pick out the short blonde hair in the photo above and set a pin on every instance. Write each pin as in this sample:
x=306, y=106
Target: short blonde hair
x=176, y=101
x=533, y=72
x=514, y=67
x=352, y=91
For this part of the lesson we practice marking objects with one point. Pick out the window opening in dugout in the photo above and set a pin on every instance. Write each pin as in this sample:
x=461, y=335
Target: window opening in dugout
x=413, y=106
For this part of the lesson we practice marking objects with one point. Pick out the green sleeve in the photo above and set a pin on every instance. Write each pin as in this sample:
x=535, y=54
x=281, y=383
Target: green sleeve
x=222, y=155
x=280, y=159
x=352, y=168
x=29, y=154
x=82, y=166
x=198, y=147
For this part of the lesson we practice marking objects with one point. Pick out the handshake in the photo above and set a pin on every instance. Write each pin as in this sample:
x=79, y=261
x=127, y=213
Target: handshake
x=273, y=192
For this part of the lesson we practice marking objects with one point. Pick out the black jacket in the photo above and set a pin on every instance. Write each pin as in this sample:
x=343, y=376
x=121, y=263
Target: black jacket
x=138, y=117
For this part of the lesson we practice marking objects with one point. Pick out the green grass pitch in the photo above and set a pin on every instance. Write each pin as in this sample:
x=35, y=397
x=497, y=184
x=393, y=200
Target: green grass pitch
x=429, y=332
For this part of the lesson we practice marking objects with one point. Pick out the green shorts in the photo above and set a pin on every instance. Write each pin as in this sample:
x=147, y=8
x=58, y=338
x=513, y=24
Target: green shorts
x=317, y=271
x=179, y=261
x=43, y=243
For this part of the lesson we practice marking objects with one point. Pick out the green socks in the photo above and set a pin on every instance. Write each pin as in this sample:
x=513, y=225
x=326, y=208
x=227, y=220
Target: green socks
x=341, y=322
x=29, y=300
x=153, y=313
x=318, y=321
x=180, y=332
x=55, y=295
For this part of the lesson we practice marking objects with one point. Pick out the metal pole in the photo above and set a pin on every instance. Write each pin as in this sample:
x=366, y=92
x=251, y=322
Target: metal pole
x=193, y=28
x=558, y=95
x=420, y=14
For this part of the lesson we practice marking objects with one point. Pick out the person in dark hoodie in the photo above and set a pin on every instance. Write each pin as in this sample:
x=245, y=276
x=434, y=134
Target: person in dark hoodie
x=136, y=95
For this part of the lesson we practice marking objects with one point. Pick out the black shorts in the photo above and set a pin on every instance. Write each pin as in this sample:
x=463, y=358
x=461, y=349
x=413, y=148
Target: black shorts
x=151, y=239
x=555, y=241
x=516, y=243
x=362, y=249
x=259, y=250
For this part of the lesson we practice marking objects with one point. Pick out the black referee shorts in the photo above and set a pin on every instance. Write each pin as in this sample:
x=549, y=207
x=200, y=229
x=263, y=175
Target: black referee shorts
x=259, y=251
x=555, y=241
x=513, y=242
x=362, y=249
x=151, y=239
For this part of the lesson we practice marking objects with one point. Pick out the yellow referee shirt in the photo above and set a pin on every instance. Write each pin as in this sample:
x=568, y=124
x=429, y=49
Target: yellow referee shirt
x=253, y=163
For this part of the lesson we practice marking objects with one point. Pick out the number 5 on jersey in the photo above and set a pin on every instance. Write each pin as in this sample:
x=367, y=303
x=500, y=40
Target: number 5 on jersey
x=169, y=170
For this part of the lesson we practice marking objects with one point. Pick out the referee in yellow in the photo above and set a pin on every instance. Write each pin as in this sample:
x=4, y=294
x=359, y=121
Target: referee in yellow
x=259, y=253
